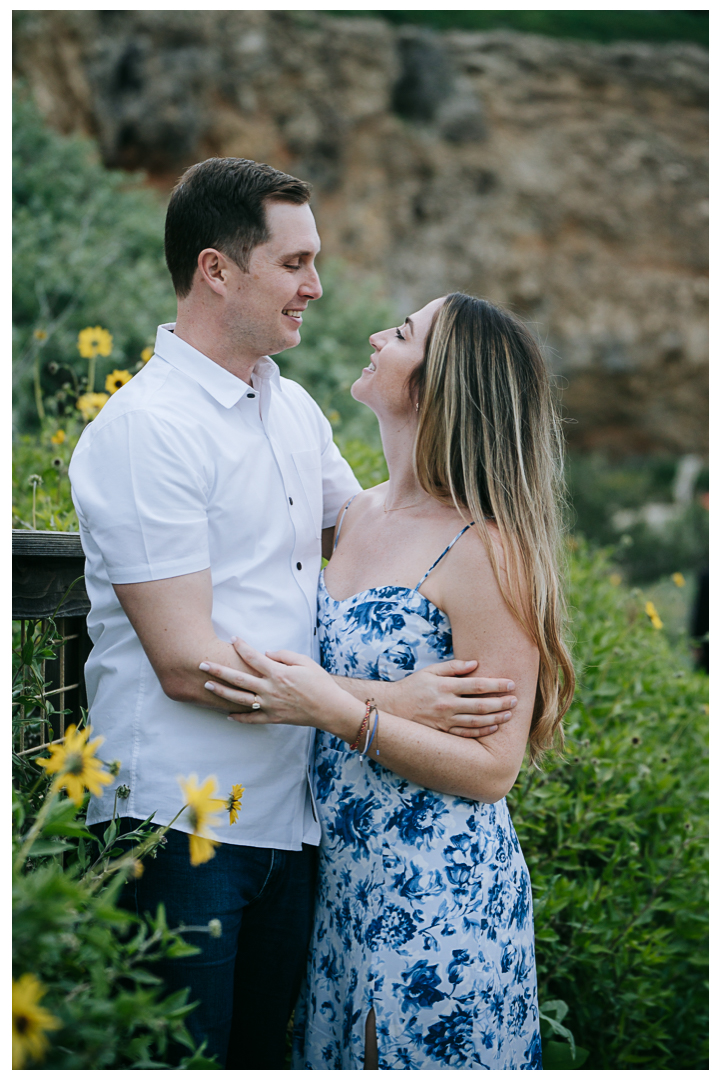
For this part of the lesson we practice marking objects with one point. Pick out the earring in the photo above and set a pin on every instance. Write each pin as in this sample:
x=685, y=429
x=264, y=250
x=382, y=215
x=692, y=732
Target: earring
x=417, y=406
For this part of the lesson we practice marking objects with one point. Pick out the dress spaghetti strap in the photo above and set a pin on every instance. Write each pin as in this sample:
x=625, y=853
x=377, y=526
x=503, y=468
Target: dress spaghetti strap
x=443, y=555
x=342, y=518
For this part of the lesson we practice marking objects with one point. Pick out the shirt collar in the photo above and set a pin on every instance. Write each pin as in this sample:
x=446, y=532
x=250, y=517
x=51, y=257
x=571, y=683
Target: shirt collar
x=227, y=389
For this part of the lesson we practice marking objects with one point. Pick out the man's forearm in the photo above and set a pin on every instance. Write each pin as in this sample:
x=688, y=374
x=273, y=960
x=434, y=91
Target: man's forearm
x=173, y=619
x=184, y=681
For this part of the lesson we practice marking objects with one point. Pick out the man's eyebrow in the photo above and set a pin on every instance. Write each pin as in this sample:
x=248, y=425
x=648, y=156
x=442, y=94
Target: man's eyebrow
x=301, y=254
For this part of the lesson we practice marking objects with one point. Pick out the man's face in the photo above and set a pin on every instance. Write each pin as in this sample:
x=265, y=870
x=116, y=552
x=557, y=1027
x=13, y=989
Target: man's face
x=266, y=304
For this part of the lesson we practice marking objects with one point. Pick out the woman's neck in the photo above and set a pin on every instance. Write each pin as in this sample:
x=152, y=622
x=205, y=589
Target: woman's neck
x=398, y=440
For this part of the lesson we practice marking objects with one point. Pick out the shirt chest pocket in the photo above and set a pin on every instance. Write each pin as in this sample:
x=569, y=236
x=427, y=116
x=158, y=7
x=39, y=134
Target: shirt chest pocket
x=307, y=463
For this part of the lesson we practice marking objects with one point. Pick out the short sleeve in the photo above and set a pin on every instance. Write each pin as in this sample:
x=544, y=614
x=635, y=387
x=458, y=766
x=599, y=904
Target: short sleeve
x=338, y=479
x=142, y=495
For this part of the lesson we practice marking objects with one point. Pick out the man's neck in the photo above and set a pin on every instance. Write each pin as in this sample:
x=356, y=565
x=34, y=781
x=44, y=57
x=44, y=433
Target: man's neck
x=212, y=343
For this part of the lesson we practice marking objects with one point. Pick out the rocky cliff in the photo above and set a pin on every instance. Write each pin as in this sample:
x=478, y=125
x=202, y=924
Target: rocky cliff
x=567, y=180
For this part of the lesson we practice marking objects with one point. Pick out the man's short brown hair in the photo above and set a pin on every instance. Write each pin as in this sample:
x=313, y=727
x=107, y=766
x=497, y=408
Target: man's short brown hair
x=220, y=203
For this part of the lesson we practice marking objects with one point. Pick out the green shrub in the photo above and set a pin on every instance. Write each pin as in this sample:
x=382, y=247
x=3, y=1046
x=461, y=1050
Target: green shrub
x=101, y=1005
x=602, y=26
x=41, y=487
x=598, y=488
x=614, y=833
x=615, y=836
x=335, y=347
x=87, y=251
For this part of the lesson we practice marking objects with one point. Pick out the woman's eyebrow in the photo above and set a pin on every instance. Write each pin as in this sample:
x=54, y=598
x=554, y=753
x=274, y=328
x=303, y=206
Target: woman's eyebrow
x=409, y=322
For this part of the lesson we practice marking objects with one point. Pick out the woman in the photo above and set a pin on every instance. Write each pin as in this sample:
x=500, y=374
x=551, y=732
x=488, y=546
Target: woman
x=423, y=953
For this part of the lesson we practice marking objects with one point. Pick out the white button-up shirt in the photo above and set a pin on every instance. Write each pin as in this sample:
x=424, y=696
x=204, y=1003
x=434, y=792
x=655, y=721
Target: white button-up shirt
x=187, y=467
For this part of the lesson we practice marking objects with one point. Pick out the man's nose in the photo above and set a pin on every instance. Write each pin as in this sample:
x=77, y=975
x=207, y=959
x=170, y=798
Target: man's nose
x=311, y=287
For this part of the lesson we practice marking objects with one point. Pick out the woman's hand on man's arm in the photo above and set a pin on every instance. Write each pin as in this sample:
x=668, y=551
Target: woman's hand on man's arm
x=292, y=689
x=445, y=697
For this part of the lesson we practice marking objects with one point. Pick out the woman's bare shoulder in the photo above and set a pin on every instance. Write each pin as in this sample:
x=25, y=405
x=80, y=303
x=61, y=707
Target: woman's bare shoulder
x=469, y=574
x=360, y=504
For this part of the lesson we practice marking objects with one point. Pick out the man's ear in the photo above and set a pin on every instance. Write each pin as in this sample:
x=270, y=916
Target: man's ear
x=213, y=268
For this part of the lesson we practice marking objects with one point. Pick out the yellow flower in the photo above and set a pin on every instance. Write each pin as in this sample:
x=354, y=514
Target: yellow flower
x=679, y=580
x=202, y=808
x=29, y=1021
x=146, y=354
x=232, y=803
x=116, y=379
x=91, y=404
x=94, y=341
x=58, y=437
x=76, y=765
x=40, y=335
x=651, y=612
x=615, y=579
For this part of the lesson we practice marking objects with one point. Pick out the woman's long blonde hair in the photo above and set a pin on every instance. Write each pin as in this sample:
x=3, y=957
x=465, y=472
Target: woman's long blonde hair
x=489, y=438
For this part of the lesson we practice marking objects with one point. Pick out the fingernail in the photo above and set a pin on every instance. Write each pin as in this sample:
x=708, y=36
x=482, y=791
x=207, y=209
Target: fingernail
x=511, y=686
x=508, y=715
x=234, y=639
x=209, y=686
x=513, y=702
x=204, y=666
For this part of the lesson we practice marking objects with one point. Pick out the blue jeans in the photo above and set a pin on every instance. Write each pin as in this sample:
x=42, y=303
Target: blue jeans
x=248, y=979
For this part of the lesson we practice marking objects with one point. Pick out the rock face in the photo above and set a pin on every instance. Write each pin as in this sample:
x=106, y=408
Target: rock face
x=566, y=180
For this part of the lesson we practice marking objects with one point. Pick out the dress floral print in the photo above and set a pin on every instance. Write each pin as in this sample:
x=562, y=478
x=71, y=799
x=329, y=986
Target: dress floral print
x=424, y=910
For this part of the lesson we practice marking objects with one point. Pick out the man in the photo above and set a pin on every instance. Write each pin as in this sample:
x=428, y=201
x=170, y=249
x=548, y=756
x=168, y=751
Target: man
x=204, y=492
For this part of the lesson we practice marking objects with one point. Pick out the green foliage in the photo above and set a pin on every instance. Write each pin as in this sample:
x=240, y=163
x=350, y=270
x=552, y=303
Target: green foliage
x=602, y=26
x=94, y=959
x=37, y=456
x=88, y=251
x=335, y=347
x=558, y=1043
x=367, y=462
x=615, y=836
x=599, y=488
x=613, y=832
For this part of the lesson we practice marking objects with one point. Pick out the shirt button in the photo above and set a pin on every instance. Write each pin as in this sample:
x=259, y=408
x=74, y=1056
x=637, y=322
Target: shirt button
x=299, y=565
x=251, y=395
x=290, y=499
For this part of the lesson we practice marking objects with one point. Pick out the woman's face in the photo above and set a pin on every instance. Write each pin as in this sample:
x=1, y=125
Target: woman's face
x=397, y=352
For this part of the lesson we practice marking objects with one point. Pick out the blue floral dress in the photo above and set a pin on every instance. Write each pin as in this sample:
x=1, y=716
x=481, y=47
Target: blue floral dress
x=424, y=910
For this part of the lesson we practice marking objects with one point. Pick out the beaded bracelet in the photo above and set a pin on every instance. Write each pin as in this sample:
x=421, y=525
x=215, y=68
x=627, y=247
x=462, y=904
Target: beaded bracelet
x=368, y=709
